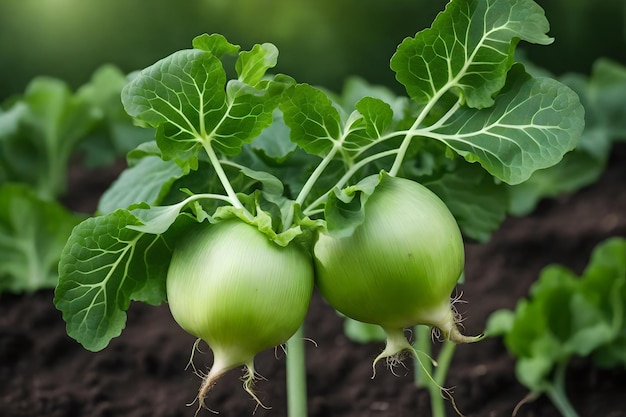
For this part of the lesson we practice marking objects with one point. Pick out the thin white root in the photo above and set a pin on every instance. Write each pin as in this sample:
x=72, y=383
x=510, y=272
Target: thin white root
x=248, y=382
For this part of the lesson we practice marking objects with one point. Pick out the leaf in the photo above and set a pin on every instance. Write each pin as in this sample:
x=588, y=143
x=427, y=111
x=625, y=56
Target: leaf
x=577, y=169
x=469, y=49
x=499, y=323
x=216, y=44
x=115, y=134
x=355, y=89
x=252, y=65
x=103, y=266
x=478, y=203
x=363, y=332
x=314, y=122
x=273, y=145
x=148, y=181
x=186, y=97
x=51, y=122
x=32, y=235
x=608, y=93
x=345, y=209
x=376, y=116
x=180, y=95
x=603, y=95
x=568, y=315
x=531, y=125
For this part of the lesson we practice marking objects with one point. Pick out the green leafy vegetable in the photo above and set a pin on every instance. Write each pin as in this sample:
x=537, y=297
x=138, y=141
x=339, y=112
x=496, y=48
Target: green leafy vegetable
x=567, y=316
x=42, y=130
x=33, y=233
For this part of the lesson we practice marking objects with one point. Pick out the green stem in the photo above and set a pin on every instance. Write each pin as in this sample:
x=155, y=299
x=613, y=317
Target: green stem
x=296, y=376
x=308, y=186
x=346, y=177
x=437, y=401
x=556, y=392
x=422, y=345
x=217, y=166
x=427, y=376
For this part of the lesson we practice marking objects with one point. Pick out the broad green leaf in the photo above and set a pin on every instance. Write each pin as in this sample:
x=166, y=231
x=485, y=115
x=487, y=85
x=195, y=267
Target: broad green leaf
x=32, y=235
x=182, y=96
x=478, y=203
x=148, y=181
x=186, y=97
x=532, y=124
x=469, y=49
x=603, y=95
x=314, y=121
x=103, y=266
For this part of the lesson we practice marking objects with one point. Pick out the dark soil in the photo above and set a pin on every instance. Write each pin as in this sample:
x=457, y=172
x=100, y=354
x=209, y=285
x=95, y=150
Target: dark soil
x=142, y=373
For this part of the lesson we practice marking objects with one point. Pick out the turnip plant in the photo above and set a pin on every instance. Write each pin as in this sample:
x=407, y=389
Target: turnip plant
x=565, y=316
x=42, y=133
x=255, y=186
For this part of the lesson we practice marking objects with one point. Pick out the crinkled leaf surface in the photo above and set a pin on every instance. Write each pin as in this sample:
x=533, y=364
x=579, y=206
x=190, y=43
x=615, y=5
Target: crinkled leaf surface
x=469, y=48
x=103, y=266
x=314, y=121
x=186, y=97
x=532, y=123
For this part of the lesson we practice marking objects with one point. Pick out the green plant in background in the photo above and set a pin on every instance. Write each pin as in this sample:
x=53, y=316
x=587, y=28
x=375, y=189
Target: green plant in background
x=40, y=134
x=567, y=316
x=297, y=165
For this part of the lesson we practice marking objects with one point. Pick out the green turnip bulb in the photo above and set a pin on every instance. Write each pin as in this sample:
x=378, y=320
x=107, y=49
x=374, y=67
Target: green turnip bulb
x=231, y=286
x=399, y=267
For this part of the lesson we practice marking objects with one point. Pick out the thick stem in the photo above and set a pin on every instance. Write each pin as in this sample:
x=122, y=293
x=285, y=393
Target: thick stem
x=296, y=376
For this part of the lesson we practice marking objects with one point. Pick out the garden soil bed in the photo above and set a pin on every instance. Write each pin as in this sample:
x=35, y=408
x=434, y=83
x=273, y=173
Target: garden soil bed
x=43, y=372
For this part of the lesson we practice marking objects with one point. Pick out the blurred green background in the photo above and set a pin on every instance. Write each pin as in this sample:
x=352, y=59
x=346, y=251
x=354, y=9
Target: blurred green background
x=321, y=42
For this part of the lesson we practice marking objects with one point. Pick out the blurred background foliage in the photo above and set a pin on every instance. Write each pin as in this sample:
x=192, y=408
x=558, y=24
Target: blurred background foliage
x=321, y=42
